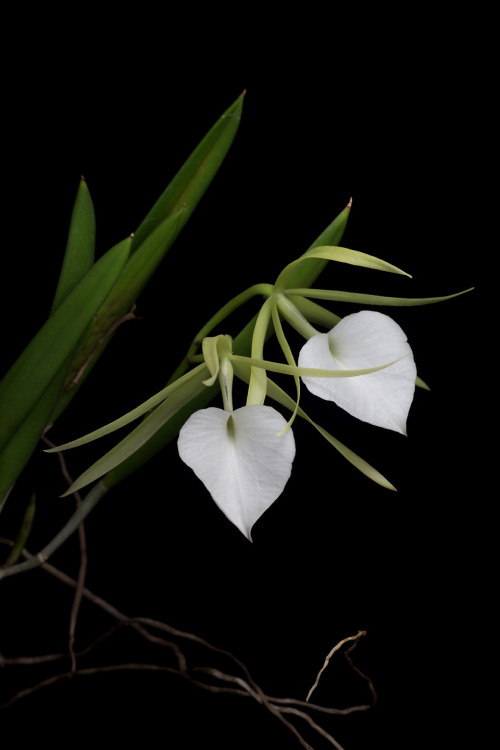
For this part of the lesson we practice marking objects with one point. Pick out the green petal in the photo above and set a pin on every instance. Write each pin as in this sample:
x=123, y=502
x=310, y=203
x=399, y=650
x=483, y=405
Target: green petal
x=339, y=254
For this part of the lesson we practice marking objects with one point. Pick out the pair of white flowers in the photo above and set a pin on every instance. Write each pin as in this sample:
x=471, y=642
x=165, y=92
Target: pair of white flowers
x=244, y=456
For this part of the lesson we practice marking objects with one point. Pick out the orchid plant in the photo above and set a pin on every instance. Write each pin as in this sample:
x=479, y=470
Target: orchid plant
x=244, y=455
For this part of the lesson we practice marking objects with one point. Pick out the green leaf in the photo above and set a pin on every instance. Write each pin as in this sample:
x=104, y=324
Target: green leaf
x=39, y=363
x=78, y=260
x=137, y=272
x=23, y=442
x=196, y=174
x=80, y=247
x=306, y=273
x=152, y=240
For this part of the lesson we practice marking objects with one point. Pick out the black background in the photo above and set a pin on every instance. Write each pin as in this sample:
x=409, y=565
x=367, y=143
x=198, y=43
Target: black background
x=407, y=137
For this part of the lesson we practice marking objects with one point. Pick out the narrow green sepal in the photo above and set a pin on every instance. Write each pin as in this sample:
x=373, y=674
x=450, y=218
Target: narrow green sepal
x=370, y=299
x=279, y=395
x=340, y=255
x=193, y=377
x=138, y=437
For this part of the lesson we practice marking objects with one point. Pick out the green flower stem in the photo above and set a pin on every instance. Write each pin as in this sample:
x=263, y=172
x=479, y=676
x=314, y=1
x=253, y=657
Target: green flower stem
x=293, y=316
x=285, y=348
x=264, y=290
x=258, y=381
x=233, y=304
x=90, y=501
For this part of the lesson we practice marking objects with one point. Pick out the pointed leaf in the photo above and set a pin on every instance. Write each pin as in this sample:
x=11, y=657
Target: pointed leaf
x=196, y=174
x=23, y=442
x=31, y=374
x=153, y=239
x=80, y=247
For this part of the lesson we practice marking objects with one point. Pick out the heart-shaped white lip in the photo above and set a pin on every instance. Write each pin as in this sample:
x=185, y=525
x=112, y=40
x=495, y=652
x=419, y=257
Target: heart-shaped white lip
x=362, y=340
x=240, y=458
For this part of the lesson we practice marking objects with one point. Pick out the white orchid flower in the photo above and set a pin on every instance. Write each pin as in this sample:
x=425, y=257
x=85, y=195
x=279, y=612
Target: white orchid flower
x=240, y=458
x=243, y=456
x=361, y=340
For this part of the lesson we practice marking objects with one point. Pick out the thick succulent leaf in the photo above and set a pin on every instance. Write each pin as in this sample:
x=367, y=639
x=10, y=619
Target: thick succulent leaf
x=31, y=374
x=240, y=459
x=365, y=339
